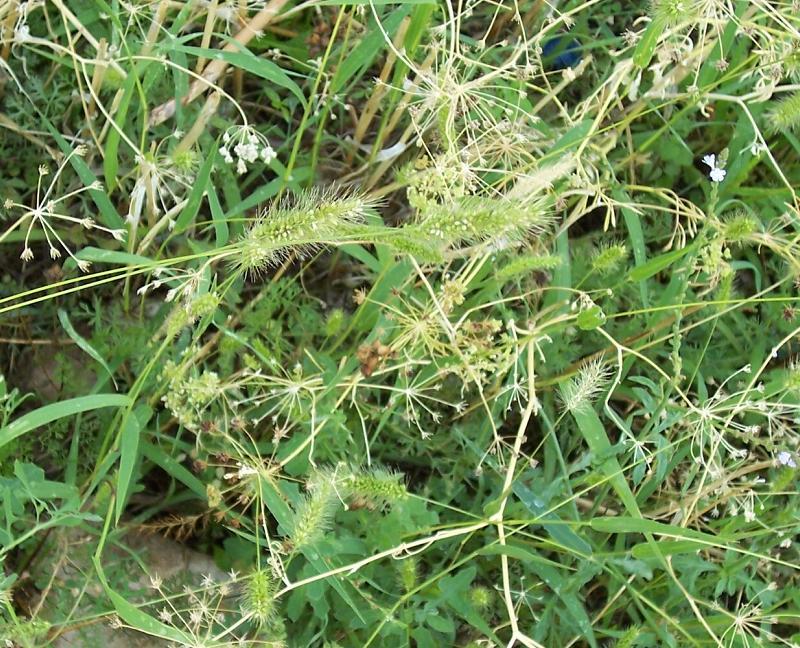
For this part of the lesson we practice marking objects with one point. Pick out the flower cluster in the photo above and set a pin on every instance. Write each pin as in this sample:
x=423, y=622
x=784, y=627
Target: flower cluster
x=210, y=615
x=161, y=184
x=247, y=145
x=48, y=210
x=716, y=174
x=188, y=397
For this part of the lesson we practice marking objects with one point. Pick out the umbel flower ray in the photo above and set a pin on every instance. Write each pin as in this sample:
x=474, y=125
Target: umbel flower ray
x=48, y=211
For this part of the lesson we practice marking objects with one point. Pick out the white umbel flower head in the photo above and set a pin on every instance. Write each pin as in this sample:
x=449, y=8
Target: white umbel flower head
x=245, y=145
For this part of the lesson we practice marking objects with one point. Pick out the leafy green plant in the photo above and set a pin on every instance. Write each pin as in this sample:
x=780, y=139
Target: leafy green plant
x=432, y=324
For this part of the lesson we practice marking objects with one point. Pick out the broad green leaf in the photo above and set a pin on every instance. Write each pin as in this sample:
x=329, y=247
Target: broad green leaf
x=646, y=46
x=455, y=592
x=98, y=255
x=221, y=229
x=640, y=525
x=34, y=483
x=644, y=551
x=83, y=343
x=634, y=226
x=111, y=151
x=560, y=531
x=516, y=552
x=248, y=61
x=571, y=139
x=657, y=264
x=590, y=318
x=172, y=467
x=264, y=193
x=201, y=182
x=132, y=425
x=592, y=430
x=50, y=413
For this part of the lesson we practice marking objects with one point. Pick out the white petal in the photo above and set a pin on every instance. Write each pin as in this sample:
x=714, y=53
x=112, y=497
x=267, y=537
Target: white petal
x=717, y=175
x=710, y=160
x=391, y=152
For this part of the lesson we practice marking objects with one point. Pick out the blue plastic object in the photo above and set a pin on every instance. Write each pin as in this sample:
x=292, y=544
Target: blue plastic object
x=567, y=52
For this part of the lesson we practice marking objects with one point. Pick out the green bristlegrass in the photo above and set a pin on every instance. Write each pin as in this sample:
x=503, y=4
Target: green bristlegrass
x=403, y=324
x=785, y=114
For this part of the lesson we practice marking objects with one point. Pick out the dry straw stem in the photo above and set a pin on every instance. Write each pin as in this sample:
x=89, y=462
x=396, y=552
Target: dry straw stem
x=497, y=518
x=398, y=552
x=217, y=67
x=68, y=16
x=8, y=16
x=380, y=89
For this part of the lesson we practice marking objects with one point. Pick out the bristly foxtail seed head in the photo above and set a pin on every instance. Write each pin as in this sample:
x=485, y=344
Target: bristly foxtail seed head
x=258, y=598
x=785, y=114
x=473, y=220
x=313, y=517
x=376, y=487
x=674, y=12
x=299, y=224
x=609, y=257
x=585, y=387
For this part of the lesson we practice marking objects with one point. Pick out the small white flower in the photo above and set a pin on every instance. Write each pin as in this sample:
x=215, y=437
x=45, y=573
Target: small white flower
x=717, y=175
x=137, y=202
x=786, y=459
x=757, y=148
x=245, y=145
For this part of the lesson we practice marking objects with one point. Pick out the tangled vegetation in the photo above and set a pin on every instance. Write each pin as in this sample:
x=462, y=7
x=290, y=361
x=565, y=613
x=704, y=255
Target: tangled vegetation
x=423, y=323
